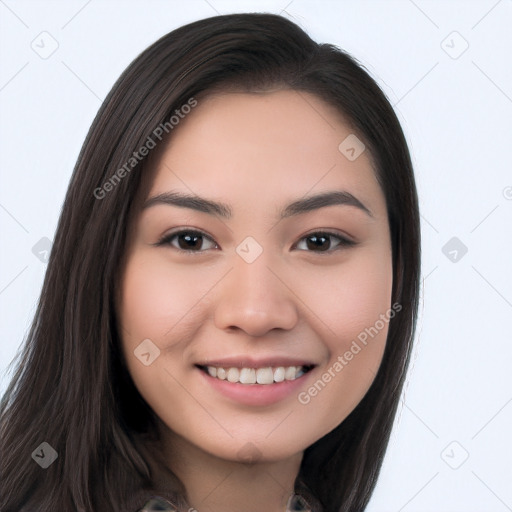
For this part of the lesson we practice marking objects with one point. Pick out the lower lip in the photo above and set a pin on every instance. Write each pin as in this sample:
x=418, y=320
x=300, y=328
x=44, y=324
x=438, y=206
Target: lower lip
x=256, y=394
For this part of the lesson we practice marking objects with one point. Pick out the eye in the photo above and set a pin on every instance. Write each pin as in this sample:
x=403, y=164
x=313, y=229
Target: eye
x=322, y=242
x=194, y=241
x=186, y=240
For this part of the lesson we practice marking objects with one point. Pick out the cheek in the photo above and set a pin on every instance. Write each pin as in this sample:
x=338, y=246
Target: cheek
x=354, y=306
x=162, y=302
x=156, y=295
x=349, y=297
x=363, y=295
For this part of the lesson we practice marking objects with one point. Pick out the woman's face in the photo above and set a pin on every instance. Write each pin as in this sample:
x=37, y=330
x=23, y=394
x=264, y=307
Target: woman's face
x=272, y=286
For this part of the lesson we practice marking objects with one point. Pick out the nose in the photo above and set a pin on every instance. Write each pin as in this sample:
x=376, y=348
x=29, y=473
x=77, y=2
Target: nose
x=255, y=299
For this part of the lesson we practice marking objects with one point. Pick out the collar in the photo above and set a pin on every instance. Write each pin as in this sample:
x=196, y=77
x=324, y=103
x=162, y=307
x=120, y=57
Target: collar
x=296, y=503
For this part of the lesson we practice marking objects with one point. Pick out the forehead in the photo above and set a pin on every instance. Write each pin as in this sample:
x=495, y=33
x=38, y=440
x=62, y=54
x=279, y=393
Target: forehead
x=275, y=143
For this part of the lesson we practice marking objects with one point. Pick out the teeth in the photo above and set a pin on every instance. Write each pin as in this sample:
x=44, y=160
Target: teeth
x=279, y=374
x=289, y=373
x=248, y=376
x=266, y=375
x=233, y=375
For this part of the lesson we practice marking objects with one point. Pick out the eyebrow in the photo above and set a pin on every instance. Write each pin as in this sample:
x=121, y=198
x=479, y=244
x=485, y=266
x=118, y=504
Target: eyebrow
x=304, y=205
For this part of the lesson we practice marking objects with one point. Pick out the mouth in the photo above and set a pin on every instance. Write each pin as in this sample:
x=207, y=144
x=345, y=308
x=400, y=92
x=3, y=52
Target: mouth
x=256, y=376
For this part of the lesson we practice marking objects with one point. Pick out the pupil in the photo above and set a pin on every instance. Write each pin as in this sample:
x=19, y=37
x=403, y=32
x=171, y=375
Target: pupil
x=317, y=242
x=191, y=241
x=313, y=242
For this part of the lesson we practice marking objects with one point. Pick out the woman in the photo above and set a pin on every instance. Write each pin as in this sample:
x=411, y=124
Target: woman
x=227, y=317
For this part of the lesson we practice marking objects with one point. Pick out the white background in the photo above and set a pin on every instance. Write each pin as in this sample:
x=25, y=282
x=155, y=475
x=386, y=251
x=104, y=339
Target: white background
x=456, y=113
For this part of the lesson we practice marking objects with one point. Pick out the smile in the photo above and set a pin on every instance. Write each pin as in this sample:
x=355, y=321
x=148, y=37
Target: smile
x=267, y=375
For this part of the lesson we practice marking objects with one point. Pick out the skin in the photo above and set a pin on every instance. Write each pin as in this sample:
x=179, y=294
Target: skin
x=256, y=153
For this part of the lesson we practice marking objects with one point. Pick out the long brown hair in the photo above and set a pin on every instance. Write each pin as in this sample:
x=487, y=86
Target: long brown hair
x=71, y=388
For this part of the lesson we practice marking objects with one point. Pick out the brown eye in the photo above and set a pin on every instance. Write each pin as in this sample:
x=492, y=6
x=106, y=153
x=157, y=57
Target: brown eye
x=187, y=241
x=322, y=242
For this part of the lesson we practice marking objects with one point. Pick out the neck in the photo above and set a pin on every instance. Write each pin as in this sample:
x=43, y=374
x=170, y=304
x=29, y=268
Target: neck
x=218, y=485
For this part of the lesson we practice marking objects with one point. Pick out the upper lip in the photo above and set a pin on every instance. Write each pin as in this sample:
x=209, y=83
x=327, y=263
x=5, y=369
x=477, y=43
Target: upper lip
x=250, y=362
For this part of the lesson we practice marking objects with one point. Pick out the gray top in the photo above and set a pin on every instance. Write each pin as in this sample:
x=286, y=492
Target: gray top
x=296, y=503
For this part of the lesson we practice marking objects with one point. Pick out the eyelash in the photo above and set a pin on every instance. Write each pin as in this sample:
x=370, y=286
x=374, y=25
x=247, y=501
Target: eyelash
x=166, y=240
